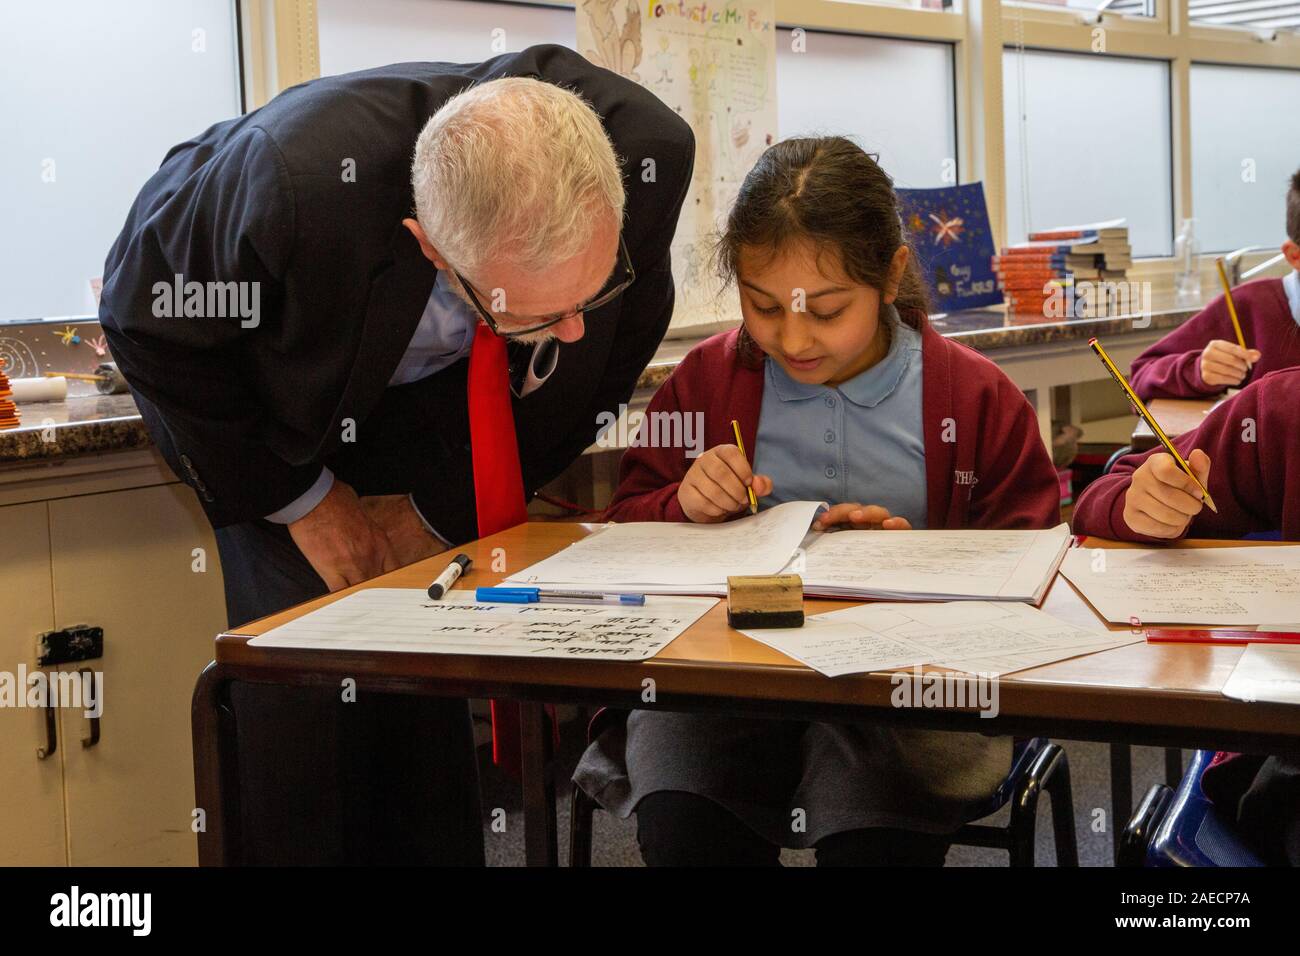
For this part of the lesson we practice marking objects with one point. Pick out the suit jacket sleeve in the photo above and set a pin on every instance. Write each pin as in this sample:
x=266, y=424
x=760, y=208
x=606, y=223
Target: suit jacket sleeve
x=229, y=220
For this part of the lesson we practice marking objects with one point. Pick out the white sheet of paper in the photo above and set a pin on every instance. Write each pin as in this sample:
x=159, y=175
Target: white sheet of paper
x=1268, y=672
x=676, y=557
x=874, y=637
x=932, y=565
x=1251, y=585
x=1010, y=663
x=407, y=619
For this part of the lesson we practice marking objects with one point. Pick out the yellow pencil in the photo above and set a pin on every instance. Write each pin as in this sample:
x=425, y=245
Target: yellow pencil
x=740, y=443
x=1150, y=420
x=1232, y=306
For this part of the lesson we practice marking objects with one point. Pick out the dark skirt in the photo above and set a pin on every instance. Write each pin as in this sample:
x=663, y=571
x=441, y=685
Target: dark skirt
x=796, y=782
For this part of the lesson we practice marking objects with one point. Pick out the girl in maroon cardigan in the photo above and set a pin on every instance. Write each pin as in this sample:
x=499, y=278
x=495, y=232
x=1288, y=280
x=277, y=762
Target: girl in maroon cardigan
x=842, y=391
x=1201, y=357
x=1247, y=454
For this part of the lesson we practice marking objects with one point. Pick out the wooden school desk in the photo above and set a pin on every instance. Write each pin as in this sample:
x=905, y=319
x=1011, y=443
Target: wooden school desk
x=1175, y=415
x=1162, y=695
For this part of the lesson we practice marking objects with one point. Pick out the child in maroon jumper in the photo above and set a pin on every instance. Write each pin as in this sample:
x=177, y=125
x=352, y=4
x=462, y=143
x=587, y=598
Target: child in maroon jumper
x=1201, y=357
x=844, y=394
x=1247, y=455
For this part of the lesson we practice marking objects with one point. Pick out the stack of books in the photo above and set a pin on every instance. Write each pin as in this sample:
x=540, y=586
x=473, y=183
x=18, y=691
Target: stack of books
x=8, y=410
x=1065, y=272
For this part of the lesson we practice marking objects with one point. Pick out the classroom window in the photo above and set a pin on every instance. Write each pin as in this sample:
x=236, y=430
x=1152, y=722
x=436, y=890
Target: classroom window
x=94, y=96
x=914, y=4
x=915, y=135
x=1245, y=147
x=1088, y=138
x=358, y=36
x=1258, y=15
x=1128, y=8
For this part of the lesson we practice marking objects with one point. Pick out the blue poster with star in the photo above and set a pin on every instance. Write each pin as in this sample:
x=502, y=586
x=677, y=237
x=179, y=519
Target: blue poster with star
x=949, y=231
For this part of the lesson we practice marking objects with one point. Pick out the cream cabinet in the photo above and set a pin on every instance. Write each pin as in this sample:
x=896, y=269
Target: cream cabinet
x=31, y=796
x=141, y=563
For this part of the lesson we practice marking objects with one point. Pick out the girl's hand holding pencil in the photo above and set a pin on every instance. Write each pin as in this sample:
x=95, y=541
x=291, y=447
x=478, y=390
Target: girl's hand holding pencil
x=1162, y=499
x=717, y=485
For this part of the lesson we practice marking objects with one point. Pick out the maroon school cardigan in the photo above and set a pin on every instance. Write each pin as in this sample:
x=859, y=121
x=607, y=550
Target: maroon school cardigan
x=985, y=463
x=1253, y=440
x=1171, y=368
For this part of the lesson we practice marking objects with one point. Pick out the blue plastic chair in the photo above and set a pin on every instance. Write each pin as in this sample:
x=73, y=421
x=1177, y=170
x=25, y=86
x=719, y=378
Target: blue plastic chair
x=1175, y=828
x=1037, y=766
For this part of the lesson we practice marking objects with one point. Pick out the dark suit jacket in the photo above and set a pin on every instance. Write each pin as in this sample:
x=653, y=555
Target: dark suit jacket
x=248, y=415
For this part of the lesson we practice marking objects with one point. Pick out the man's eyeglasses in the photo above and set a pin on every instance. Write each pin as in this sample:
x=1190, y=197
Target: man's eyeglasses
x=623, y=277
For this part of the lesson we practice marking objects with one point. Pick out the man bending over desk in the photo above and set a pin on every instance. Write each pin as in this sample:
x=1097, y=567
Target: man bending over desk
x=365, y=322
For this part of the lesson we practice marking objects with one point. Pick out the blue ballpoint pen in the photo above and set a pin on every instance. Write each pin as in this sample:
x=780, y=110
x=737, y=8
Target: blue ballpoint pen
x=508, y=595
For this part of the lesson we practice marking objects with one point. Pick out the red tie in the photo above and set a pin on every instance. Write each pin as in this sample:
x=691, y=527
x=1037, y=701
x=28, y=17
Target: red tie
x=498, y=483
x=498, y=491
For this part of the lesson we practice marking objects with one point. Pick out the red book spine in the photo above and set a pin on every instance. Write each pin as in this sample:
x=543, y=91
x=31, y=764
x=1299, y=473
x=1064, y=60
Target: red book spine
x=8, y=410
x=1062, y=234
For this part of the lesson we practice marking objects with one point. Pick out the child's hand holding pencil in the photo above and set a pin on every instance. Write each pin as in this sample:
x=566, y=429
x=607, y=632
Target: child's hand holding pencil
x=718, y=485
x=1162, y=499
x=1225, y=364
x=1222, y=363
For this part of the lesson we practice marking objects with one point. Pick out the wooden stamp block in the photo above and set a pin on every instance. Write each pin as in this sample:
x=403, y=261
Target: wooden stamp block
x=765, y=600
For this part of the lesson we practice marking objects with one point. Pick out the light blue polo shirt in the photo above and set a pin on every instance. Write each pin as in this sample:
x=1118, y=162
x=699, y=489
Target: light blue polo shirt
x=861, y=441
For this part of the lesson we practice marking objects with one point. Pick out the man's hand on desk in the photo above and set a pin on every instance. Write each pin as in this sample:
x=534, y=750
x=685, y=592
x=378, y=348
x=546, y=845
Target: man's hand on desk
x=406, y=532
x=342, y=541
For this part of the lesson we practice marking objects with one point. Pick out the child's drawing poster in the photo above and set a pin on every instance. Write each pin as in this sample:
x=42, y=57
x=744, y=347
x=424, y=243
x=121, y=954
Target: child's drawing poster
x=715, y=64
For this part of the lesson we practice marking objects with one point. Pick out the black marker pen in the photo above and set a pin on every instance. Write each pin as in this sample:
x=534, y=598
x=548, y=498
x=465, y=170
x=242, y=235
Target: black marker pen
x=442, y=584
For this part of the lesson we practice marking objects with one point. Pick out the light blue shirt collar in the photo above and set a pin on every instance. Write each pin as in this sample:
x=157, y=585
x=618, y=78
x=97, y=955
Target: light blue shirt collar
x=1291, y=285
x=868, y=388
x=443, y=335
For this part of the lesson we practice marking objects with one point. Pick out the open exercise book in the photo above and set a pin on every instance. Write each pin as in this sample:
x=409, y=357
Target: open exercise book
x=685, y=558
x=1248, y=585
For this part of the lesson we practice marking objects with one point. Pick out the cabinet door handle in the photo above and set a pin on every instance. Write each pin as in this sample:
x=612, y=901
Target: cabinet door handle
x=93, y=739
x=51, y=731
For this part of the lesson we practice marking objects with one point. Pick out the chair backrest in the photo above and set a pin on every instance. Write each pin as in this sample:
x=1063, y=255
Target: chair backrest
x=1194, y=832
x=1119, y=453
x=1025, y=751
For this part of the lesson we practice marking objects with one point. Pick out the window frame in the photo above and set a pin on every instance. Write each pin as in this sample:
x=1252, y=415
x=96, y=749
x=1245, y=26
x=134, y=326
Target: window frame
x=283, y=49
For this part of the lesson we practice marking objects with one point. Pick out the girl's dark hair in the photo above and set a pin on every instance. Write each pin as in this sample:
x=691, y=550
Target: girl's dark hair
x=825, y=189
